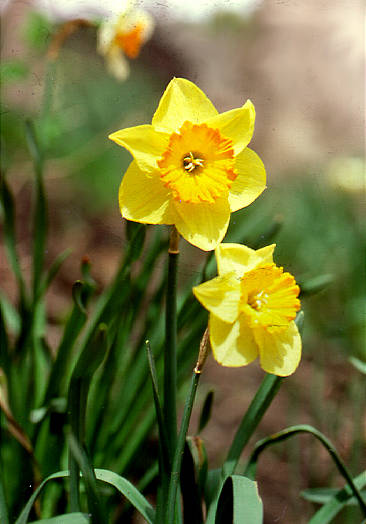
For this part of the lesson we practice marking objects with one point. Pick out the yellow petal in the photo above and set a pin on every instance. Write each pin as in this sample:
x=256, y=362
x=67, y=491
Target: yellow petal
x=221, y=296
x=250, y=181
x=182, y=100
x=239, y=258
x=203, y=225
x=144, y=143
x=236, y=124
x=144, y=198
x=279, y=349
x=232, y=344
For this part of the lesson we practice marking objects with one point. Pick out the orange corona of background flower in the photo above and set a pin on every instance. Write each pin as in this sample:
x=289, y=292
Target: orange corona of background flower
x=192, y=166
x=123, y=34
x=252, y=305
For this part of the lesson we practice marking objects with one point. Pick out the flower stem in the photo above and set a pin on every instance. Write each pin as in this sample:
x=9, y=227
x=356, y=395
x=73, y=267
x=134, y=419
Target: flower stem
x=179, y=450
x=178, y=455
x=170, y=355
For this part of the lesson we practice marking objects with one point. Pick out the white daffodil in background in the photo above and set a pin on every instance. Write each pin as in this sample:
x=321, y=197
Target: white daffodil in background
x=121, y=35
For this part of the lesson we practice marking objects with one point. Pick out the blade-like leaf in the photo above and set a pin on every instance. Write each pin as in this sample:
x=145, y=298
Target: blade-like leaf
x=239, y=502
x=4, y=519
x=324, y=495
x=40, y=208
x=327, y=513
x=304, y=428
x=67, y=518
x=206, y=411
x=125, y=487
x=89, y=478
x=191, y=495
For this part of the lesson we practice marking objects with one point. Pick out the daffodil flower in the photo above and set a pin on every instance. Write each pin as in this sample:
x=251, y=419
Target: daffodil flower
x=122, y=34
x=192, y=166
x=252, y=305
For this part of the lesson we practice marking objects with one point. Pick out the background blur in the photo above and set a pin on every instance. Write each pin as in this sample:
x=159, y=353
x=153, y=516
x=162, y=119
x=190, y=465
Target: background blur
x=302, y=65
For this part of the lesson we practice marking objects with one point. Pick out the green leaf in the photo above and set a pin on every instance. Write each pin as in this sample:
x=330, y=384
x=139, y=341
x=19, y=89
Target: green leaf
x=304, y=428
x=52, y=272
x=90, y=480
x=327, y=513
x=360, y=365
x=129, y=491
x=60, y=371
x=190, y=489
x=11, y=316
x=239, y=502
x=66, y=518
x=324, y=495
x=212, y=486
x=40, y=208
x=4, y=519
x=90, y=359
x=206, y=411
x=259, y=405
x=137, y=232
x=164, y=459
x=315, y=285
x=125, y=487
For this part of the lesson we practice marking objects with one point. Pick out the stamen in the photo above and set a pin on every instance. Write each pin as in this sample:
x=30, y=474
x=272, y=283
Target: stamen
x=190, y=162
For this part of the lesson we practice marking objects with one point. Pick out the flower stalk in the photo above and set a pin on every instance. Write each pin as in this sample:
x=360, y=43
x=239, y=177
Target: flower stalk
x=170, y=355
x=178, y=455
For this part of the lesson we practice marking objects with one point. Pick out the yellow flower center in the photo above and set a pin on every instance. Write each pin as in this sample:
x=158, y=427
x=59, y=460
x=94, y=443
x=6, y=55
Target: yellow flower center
x=198, y=165
x=269, y=297
x=130, y=41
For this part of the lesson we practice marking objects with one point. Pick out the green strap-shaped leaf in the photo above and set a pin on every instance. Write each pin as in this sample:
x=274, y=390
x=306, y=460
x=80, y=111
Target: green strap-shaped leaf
x=250, y=470
x=190, y=489
x=40, y=207
x=206, y=411
x=129, y=491
x=67, y=518
x=325, y=495
x=327, y=513
x=239, y=502
x=122, y=485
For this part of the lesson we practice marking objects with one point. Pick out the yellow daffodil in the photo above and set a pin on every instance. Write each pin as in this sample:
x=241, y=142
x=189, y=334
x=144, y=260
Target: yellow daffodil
x=252, y=305
x=122, y=34
x=192, y=166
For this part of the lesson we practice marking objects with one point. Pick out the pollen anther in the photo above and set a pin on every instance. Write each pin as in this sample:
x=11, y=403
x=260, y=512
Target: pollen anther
x=190, y=163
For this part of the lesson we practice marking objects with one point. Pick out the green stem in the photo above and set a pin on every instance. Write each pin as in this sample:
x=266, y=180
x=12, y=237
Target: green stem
x=304, y=428
x=178, y=455
x=170, y=355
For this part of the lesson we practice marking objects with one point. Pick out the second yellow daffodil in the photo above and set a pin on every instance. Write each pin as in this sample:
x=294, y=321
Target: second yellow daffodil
x=192, y=167
x=252, y=305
